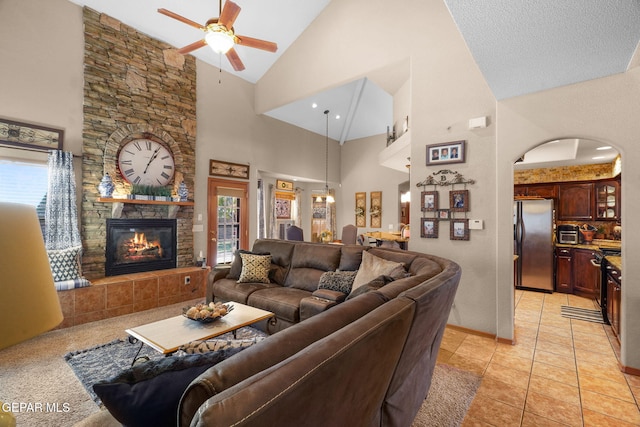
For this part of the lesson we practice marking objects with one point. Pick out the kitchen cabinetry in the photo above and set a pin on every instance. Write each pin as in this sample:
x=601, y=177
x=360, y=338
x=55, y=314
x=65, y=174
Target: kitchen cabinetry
x=607, y=195
x=614, y=294
x=544, y=191
x=585, y=274
x=575, y=201
x=564, y=276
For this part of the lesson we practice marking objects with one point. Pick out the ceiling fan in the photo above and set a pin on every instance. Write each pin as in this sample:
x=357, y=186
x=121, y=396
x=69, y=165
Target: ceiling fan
x=220, y=35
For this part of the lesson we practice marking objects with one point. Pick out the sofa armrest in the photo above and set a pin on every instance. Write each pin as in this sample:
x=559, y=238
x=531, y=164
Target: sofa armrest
x=217, y=273
x=321, y=300
x=329, y=294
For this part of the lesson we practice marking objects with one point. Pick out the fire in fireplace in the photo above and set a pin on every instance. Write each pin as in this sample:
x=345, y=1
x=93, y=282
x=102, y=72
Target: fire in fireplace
x=136, y=245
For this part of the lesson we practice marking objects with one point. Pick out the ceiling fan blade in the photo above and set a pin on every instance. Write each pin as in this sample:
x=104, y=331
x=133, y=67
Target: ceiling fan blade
x=256, y=43
x=192, y=47
x=181, y=18
x=230, y=12
x=233, y=57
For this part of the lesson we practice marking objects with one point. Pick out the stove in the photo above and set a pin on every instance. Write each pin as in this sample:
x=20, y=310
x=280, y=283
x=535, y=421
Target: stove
x=599, y=259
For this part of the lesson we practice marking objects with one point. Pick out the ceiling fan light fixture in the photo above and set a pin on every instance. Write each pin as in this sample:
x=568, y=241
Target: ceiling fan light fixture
x=219, y=39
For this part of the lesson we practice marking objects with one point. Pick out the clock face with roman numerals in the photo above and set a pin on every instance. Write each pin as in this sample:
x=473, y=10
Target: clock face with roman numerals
x=146, y=162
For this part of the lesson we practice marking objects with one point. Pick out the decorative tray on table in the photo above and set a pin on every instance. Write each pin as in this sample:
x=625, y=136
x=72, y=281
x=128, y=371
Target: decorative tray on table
x=206, y=313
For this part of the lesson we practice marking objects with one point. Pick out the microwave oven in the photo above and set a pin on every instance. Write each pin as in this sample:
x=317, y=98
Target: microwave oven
x=568, y=234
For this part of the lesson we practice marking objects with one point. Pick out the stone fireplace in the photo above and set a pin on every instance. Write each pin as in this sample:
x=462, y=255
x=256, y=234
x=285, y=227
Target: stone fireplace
x=138, y=245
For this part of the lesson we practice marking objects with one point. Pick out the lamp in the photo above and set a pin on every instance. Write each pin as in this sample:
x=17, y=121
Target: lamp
x=219, y=38
x=330, y=198
x=29, y=302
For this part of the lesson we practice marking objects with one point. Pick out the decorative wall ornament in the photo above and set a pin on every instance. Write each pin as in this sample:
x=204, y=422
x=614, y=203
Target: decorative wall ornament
x=375, y=210
x=28, y=136
x=234, y=170
x=284, y=185
x=361, y=209
x=445, y=177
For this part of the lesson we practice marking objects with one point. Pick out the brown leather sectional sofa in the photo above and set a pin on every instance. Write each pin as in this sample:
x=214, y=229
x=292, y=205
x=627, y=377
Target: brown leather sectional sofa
x=363, y=362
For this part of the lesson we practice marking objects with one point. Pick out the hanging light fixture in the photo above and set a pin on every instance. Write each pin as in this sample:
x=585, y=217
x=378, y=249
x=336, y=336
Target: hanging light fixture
x=330, y=198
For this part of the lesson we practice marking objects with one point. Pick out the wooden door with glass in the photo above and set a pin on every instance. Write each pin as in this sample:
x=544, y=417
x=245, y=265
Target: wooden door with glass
x=228, y=213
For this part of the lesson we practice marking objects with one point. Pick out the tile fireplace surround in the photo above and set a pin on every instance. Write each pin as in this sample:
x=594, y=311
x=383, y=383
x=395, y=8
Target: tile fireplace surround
x=118, y=295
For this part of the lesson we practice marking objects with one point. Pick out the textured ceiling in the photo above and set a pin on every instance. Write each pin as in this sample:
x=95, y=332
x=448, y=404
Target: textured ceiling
x=528, y=46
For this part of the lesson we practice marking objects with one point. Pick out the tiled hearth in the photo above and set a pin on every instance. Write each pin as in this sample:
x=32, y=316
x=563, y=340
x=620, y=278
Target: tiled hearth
x=118, y=295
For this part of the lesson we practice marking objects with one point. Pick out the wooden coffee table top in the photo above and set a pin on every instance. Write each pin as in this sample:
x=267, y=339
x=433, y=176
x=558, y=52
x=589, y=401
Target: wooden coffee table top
x=166, y=336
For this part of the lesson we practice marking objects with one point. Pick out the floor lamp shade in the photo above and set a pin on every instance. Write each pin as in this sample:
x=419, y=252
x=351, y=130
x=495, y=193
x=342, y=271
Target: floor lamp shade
x=29, y=302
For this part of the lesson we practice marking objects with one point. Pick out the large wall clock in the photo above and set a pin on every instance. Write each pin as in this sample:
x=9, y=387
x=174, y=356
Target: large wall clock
x=146, y=162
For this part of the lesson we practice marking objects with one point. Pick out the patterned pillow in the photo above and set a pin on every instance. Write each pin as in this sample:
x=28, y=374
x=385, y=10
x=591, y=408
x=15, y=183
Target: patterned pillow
x=340, y=281
x=65, y=263
x=217, y=344
x=255, y=268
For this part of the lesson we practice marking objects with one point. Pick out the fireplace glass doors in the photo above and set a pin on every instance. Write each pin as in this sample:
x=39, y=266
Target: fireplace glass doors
x=136, y=245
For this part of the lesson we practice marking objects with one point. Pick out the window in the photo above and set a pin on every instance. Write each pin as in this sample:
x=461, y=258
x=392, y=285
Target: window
x=24, y=182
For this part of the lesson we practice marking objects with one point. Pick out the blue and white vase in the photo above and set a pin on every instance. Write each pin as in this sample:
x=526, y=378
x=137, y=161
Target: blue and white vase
x=183, y=192
x=106, y=186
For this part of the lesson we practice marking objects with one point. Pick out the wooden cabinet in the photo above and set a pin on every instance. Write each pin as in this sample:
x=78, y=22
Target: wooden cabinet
x=544, y=191
x=614, y=296
x=585, y=274
x=607, y=200
x=564, y=276
x=575, y=201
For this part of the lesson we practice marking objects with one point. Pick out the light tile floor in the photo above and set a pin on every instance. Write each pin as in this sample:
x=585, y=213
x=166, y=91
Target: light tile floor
x=560, y=371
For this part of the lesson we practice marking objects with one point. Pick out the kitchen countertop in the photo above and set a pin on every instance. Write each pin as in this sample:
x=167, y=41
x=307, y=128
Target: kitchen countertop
x=615, y=261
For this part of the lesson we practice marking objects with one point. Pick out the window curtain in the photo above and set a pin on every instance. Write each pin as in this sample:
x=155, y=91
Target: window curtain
x=62, y=235
x=61, y=214
x=298, y=208
x=272, y=232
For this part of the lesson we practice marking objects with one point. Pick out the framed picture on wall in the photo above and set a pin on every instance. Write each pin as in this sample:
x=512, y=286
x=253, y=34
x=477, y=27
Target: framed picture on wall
x=429, y=201
x=33, y=137
x=459, y=200
x=459, y=229
x=443, y=214
x=429, y=228
x=445, y=153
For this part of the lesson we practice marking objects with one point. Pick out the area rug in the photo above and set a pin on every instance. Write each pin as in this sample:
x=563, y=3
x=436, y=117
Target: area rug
x=451, y=393
x=107, y=360
x=581, y=314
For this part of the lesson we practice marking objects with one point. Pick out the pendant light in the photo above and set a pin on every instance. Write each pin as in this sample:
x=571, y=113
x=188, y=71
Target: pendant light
x=329, y=197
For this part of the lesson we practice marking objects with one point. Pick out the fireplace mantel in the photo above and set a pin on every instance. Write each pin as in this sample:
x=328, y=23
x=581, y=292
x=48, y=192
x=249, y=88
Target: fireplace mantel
x=118, y=205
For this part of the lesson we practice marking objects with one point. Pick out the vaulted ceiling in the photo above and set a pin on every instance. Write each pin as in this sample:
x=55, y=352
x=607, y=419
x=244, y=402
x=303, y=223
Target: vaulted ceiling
x=520, y=47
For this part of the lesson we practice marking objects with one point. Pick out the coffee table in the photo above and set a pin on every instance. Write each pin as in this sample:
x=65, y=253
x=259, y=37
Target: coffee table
x=166, y=336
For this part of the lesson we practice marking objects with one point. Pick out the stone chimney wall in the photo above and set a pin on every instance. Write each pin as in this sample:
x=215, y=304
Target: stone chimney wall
x=134, y=86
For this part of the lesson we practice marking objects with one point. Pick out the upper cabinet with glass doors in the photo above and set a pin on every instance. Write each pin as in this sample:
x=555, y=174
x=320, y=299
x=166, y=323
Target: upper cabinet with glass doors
x=607, y=199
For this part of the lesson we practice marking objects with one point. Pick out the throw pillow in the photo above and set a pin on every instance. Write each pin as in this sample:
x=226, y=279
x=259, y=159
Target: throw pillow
x=65, y=263
x=149, y=394
x=373, y=266
x=376, y=283
x=236, y=265
x=340, y=281
x=217, y=344
x=255, y=268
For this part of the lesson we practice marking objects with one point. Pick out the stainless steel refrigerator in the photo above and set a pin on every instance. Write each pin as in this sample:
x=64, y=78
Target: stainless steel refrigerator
x=533, y=233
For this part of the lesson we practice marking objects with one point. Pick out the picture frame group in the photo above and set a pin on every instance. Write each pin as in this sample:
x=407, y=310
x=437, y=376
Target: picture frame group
x=446, y=153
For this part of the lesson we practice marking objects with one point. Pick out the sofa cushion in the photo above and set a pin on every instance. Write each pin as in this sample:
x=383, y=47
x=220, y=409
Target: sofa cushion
x=255, y=268
x=216, y=344
x=337, y=280
x=281, y=251
x=425, y=266
x=351, y=257
x=148, y=394
x=373, y=285
x=404, y=257
x=231, y=290
x=373, y=266
x=308, y=263
x=283, y=301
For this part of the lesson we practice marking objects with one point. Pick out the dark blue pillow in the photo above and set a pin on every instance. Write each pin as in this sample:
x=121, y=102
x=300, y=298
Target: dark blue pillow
x=149, y=394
